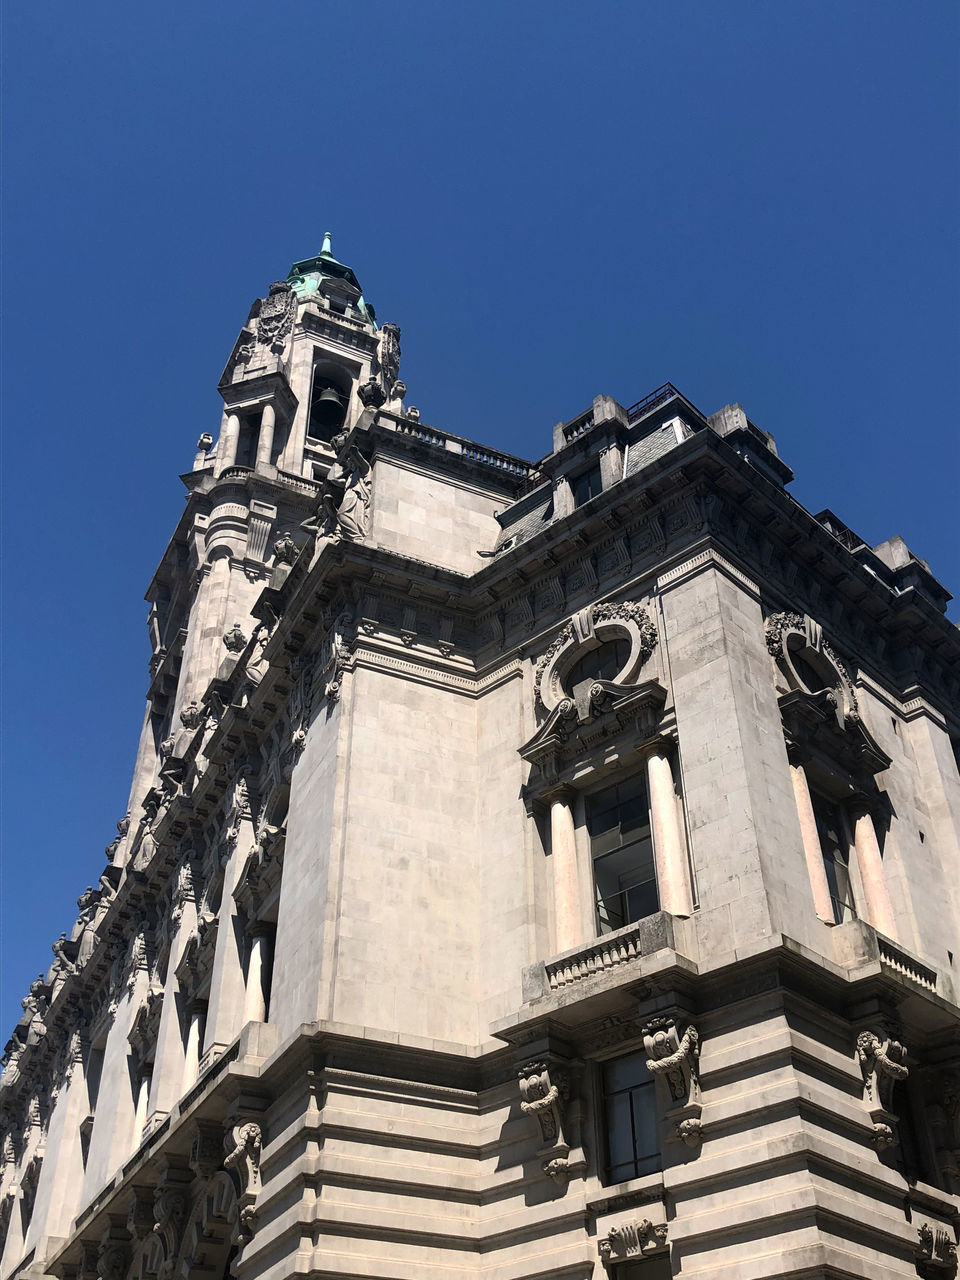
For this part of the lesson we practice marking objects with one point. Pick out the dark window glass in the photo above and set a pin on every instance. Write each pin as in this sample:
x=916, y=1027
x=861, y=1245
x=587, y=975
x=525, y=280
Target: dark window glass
x=586, y=485
x=630, y=1115
x=602, y=663
x=836, y=857
x=618, y=822
x=655, y=1268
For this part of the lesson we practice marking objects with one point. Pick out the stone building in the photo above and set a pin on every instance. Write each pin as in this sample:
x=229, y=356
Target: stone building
x=530, y=870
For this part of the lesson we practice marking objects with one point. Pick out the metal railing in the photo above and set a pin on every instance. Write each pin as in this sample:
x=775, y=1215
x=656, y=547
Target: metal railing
x=666, y=392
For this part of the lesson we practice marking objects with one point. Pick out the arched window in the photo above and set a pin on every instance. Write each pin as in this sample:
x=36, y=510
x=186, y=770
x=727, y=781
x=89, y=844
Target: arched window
x=328, y=407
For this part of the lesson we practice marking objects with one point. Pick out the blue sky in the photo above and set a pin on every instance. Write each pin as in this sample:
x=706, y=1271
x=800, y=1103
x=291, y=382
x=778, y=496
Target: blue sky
x=756, y=201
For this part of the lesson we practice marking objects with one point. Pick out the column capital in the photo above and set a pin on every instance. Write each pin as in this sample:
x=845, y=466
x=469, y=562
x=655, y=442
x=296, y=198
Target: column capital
x=260, y=929
x=560, y=792
x=663, y=745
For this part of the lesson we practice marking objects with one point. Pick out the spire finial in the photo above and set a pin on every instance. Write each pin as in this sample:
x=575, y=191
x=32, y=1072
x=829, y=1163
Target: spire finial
x=326, y=245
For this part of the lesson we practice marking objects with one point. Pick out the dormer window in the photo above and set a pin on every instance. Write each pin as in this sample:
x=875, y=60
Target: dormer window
x=586, y=485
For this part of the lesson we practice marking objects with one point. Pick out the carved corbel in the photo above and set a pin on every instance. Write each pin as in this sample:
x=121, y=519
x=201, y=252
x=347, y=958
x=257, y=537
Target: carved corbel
x=543, y=1092
x=673, y=1061
x=171, y=1202
x=113, y=1255
x=546, y=1094
x=206, y=1153
x=882, y=1064
x=936, y=1252
x=632, y=1240
x=140, y=1213
x=243, y=1144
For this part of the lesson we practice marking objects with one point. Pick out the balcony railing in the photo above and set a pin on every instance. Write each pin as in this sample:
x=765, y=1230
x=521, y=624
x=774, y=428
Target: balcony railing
x=903, y=963
x=608, y=952
x=649, y=402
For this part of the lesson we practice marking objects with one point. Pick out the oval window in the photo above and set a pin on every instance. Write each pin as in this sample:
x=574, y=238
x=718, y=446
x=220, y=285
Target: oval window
x=603, y=663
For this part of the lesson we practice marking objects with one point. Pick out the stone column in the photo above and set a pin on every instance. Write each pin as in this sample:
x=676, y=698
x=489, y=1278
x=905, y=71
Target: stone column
x=265, y=442
x=191, y=1059
x=258, y=966
x=669, y=846
x=812, y=851
x=566, y=879
x=879, y=911
x=143, y=1098
x=229, y=439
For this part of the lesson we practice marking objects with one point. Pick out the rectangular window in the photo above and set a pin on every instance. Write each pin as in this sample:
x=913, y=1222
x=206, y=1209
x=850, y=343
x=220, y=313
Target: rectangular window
x=656, y=1268
x=835, y=847
x=586, y=485
x=630, y=1115
x=618, y=822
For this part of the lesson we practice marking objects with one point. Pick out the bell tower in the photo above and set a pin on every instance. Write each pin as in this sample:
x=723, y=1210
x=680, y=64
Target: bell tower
x=308, y=361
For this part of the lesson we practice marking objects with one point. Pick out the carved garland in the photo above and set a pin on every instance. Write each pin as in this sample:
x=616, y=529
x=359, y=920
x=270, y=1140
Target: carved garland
x=627, y=612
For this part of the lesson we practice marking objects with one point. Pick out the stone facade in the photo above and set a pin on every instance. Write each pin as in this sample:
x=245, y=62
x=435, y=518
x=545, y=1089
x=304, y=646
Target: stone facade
x=530, y=870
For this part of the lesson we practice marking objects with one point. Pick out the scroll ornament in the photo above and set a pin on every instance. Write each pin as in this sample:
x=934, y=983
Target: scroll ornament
x=673, y=1060
x=882, y=1065
x=243, y=1144
x=544, y=1091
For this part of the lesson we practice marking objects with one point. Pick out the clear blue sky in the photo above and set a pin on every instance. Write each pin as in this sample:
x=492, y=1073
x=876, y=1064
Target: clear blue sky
x=756, y=201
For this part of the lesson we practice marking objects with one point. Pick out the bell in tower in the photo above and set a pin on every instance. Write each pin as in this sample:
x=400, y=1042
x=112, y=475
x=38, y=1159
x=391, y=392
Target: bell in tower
x=328, y=408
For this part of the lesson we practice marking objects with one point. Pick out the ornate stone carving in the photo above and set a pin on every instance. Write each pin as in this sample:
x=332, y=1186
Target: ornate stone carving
x=936, y=1251
x=580, y=633
x=276, y=316
x=192, y=716
x=170, y=1205
x=123, y=826
x=113, y=1258
x=673, y=1060
x=346, y=496
x=389, y=359
x=140, y=1214
x=234, y=639
x=545, y=1095
x=243, y=1144
x=543, y=1091
x=789, y=633
x=881, y=1062
x=206, y=1153
x=632, y=1240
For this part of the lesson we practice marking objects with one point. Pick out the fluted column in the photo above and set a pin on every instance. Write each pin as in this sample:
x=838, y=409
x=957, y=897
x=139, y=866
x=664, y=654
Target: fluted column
x=258, y=967
x=878, y=907
x=669, y=846
x=812, y=851
x=229, y=439
x=268, y=421
x=191, y=1060
x=566, y=877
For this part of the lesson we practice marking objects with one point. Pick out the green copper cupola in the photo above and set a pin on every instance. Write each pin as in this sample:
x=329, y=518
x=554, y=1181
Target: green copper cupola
x=323, y=276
